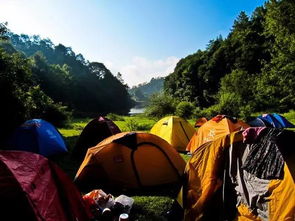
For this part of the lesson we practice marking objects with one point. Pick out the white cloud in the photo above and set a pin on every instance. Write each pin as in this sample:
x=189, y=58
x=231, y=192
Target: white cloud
x=141, y=69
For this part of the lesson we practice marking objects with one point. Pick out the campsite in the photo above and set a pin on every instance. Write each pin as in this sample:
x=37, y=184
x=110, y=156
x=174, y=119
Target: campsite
x=147, y=110
x=149, y=205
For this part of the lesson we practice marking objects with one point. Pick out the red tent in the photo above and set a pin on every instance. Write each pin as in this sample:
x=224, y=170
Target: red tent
x=94, y=132
x=33, y=188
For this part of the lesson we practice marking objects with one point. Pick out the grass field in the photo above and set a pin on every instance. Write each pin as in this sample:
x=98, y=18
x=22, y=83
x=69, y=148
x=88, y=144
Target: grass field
x=151, y=205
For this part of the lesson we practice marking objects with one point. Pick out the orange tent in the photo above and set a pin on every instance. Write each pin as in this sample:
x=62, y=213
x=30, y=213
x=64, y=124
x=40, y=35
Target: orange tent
x=130, y=160
x=200, y=121
x=218, y=126
x=219, y=184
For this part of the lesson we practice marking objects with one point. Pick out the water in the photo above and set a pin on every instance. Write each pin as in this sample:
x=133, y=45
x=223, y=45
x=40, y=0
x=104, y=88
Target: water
x=136, y=111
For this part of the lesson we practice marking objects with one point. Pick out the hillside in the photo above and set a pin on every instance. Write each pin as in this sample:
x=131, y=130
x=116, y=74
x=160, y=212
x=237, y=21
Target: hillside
x=142, y=92
x=251, y=70
x=69, y=78
x=42, y=80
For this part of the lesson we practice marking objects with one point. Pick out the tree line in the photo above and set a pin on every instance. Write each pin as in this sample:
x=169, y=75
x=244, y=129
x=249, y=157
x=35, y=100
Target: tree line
x=251, y=70
x=41, y=80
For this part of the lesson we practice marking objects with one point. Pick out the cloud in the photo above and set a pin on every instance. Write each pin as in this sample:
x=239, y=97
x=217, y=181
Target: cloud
x=140, y=69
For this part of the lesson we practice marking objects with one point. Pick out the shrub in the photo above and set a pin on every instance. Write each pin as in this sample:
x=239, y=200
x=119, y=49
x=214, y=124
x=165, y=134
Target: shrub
x=184, y=109
x=210, y=111
x=115, y=117
x=57, y=115
x=160, y=105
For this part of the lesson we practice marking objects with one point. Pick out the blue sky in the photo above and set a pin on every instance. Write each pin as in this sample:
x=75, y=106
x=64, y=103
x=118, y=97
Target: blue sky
x=139, y=38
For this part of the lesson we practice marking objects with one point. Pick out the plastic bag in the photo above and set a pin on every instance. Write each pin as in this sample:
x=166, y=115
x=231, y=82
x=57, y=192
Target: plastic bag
x=126, y=202
x=100, y=198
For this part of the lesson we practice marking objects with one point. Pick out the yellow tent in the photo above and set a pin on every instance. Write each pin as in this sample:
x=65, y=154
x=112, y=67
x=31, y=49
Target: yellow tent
x=175, y=130
x=130, y=160
x=220, y=184
x=213, y=129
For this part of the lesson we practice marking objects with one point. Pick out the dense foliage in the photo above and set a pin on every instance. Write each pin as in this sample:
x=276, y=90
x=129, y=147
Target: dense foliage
x=21, y=97
x=253, y=69
x=87, y=87
x=41, y=80
x=161, y=104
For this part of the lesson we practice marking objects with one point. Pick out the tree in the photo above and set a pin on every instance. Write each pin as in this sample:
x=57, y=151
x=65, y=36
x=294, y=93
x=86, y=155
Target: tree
x=276, y=88
x=3, y=31
x=184, y=109
x=87, y=87
x=19, y=94
x=160, y=105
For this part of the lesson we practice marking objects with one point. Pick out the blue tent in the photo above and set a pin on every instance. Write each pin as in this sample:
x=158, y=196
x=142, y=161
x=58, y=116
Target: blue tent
x=283, y=121
x=37, y=136
x=271, y=120
x=257, y=122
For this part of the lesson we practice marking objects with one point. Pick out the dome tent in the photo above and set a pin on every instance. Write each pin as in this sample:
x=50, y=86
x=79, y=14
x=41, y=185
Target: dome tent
x=130, y=160
x=38, y=136
x=271, y=120
x=218, y=126
x=95, y=131
x=245, y=175
x=175, y=130
x=34, y=188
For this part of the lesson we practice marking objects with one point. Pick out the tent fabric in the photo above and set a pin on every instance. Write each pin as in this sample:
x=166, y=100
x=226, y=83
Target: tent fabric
x=264, y=159
x=200, y=121
x=217, y=127
x=37, y=136
x=257, y=122
x=33, y=188
x=216, y=186
x=131, y=160
x=175, y=130
x=94, y=132
x=283, y=121
x=271, y=120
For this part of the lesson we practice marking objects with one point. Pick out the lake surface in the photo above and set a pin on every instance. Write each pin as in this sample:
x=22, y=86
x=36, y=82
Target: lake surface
x=136, y=111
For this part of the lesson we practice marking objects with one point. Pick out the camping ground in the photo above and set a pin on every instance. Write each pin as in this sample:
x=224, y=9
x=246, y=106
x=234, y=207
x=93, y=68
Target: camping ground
x=148, y=205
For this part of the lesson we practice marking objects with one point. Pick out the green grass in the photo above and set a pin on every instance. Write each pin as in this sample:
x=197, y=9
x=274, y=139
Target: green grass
x=290, y=116
x=149, y=205
x=135, y=123
x=69, y=132
x=148, y=208
x=186, y=157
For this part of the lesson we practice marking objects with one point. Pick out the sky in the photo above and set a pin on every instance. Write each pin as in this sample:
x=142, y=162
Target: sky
x=141, y=39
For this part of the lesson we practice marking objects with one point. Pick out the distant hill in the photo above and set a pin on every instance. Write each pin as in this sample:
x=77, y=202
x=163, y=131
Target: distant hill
x=143, y=91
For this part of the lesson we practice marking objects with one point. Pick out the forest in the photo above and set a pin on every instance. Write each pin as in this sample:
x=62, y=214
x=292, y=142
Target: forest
x=41, y=80
x=251, y=70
